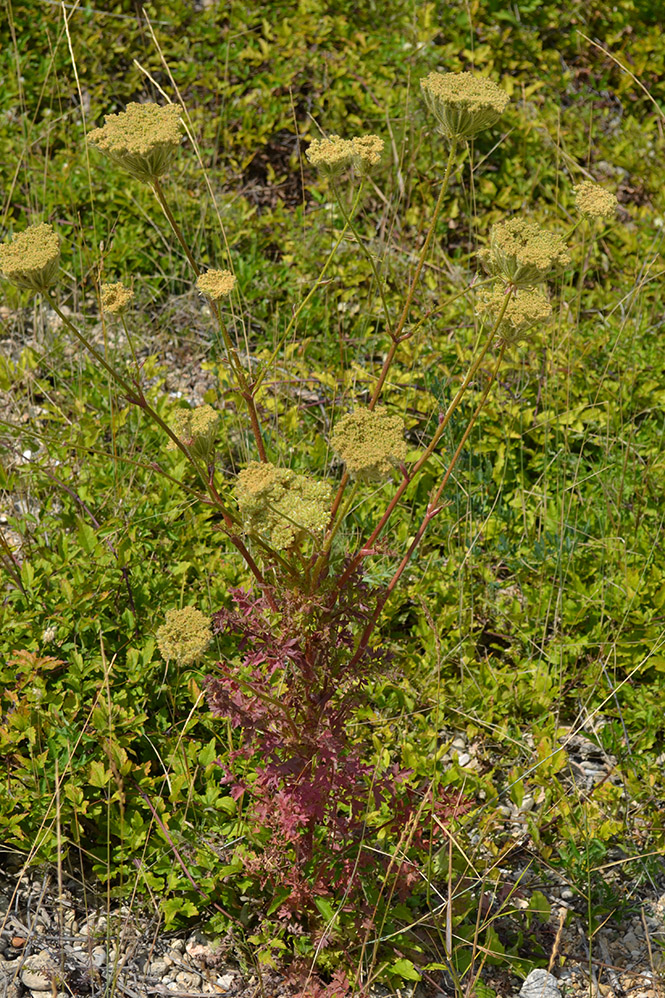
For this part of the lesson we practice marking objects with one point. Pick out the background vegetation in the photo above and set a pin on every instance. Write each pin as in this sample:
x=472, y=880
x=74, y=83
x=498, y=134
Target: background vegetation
x=535, y=608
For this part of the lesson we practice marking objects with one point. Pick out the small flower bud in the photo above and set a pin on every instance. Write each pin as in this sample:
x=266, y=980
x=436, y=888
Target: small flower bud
x=522, y=253
x=594, y=201
x=527, y=307
x=115, y=298
x=331, y=156
x=197, y=429
x=32, y=259
x=184, y=635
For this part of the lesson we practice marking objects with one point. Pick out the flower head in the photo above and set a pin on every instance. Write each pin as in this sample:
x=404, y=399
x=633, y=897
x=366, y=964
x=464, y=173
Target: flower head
x=367, y=150
x=527, y=307
x=31, y=260
x=331, y=156
x=184, y=635
x=115, y=297
x=370, y=442
x=142, y=139
x=522, y=253
x=594, y=201
x=463, y=103
x=197, y=429
x=216, y=284
x=280, y=505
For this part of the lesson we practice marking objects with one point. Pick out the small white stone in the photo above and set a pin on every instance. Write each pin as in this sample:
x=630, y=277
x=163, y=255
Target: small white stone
x=527, y=803
x=226, y=981
x=464, y=759
x=98, y=956
x=38, y=972
x=158, y=967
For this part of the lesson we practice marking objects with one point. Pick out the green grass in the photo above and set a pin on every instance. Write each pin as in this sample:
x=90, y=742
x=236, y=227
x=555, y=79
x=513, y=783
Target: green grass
x=535, y=606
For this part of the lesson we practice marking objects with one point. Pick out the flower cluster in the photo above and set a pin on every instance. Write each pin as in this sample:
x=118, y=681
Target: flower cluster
x=216, y=284
x=197, y=429
x=527, y=307
x=142, y=139
x=370, y=442
x=523, y=254
x=280, y=505
x=31, y=260
x=594, y=201
x=334, y=155
x=462, y=103
x=115, y=297
x=184, y=635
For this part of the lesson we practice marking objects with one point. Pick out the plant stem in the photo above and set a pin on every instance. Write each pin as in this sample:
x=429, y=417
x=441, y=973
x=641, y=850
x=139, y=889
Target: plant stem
x=397, y=335
x=348, y=219
x=159, y=194
x=433, y=509
x=294, y=317
x=135, y=395
x=428, y=238
x=443, y=422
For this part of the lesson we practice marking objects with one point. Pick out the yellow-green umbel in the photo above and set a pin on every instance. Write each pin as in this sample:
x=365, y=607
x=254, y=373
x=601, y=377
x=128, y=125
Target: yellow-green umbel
x=184, y=635
x=367, y=150
x=331, y=156
x=522, y=253
x=32, y=259
x=526, y=308
x=370, y=442
x=594, y=201
x=197, y=429
x=216, y=284
x=463, y=103
x=142, y=139
x=115, y=298
x=280, y=505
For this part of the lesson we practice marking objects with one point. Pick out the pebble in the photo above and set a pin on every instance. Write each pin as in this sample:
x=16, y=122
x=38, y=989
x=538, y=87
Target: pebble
x=464, y=758
x=187, y=979
x=98, y=956
x=158, y=967
x=540, y=984
x=37, y=972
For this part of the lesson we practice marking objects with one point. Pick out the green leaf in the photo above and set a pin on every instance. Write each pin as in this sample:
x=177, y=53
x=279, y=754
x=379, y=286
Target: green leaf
x=325, y=908
x=87, y=538
x=280, y=897
x=99, y=775
x=405, y=969
x=539, y=904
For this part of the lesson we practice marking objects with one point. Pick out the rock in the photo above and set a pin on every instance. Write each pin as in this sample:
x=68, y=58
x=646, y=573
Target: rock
x=527, y=803
x=540, y=984
x=187, y=979
x=98, y=956
x=464, y=759
x=38, y=972
x=158, y=967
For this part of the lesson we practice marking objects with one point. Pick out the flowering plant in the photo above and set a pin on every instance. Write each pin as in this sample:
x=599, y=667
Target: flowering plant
x=304, y=639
